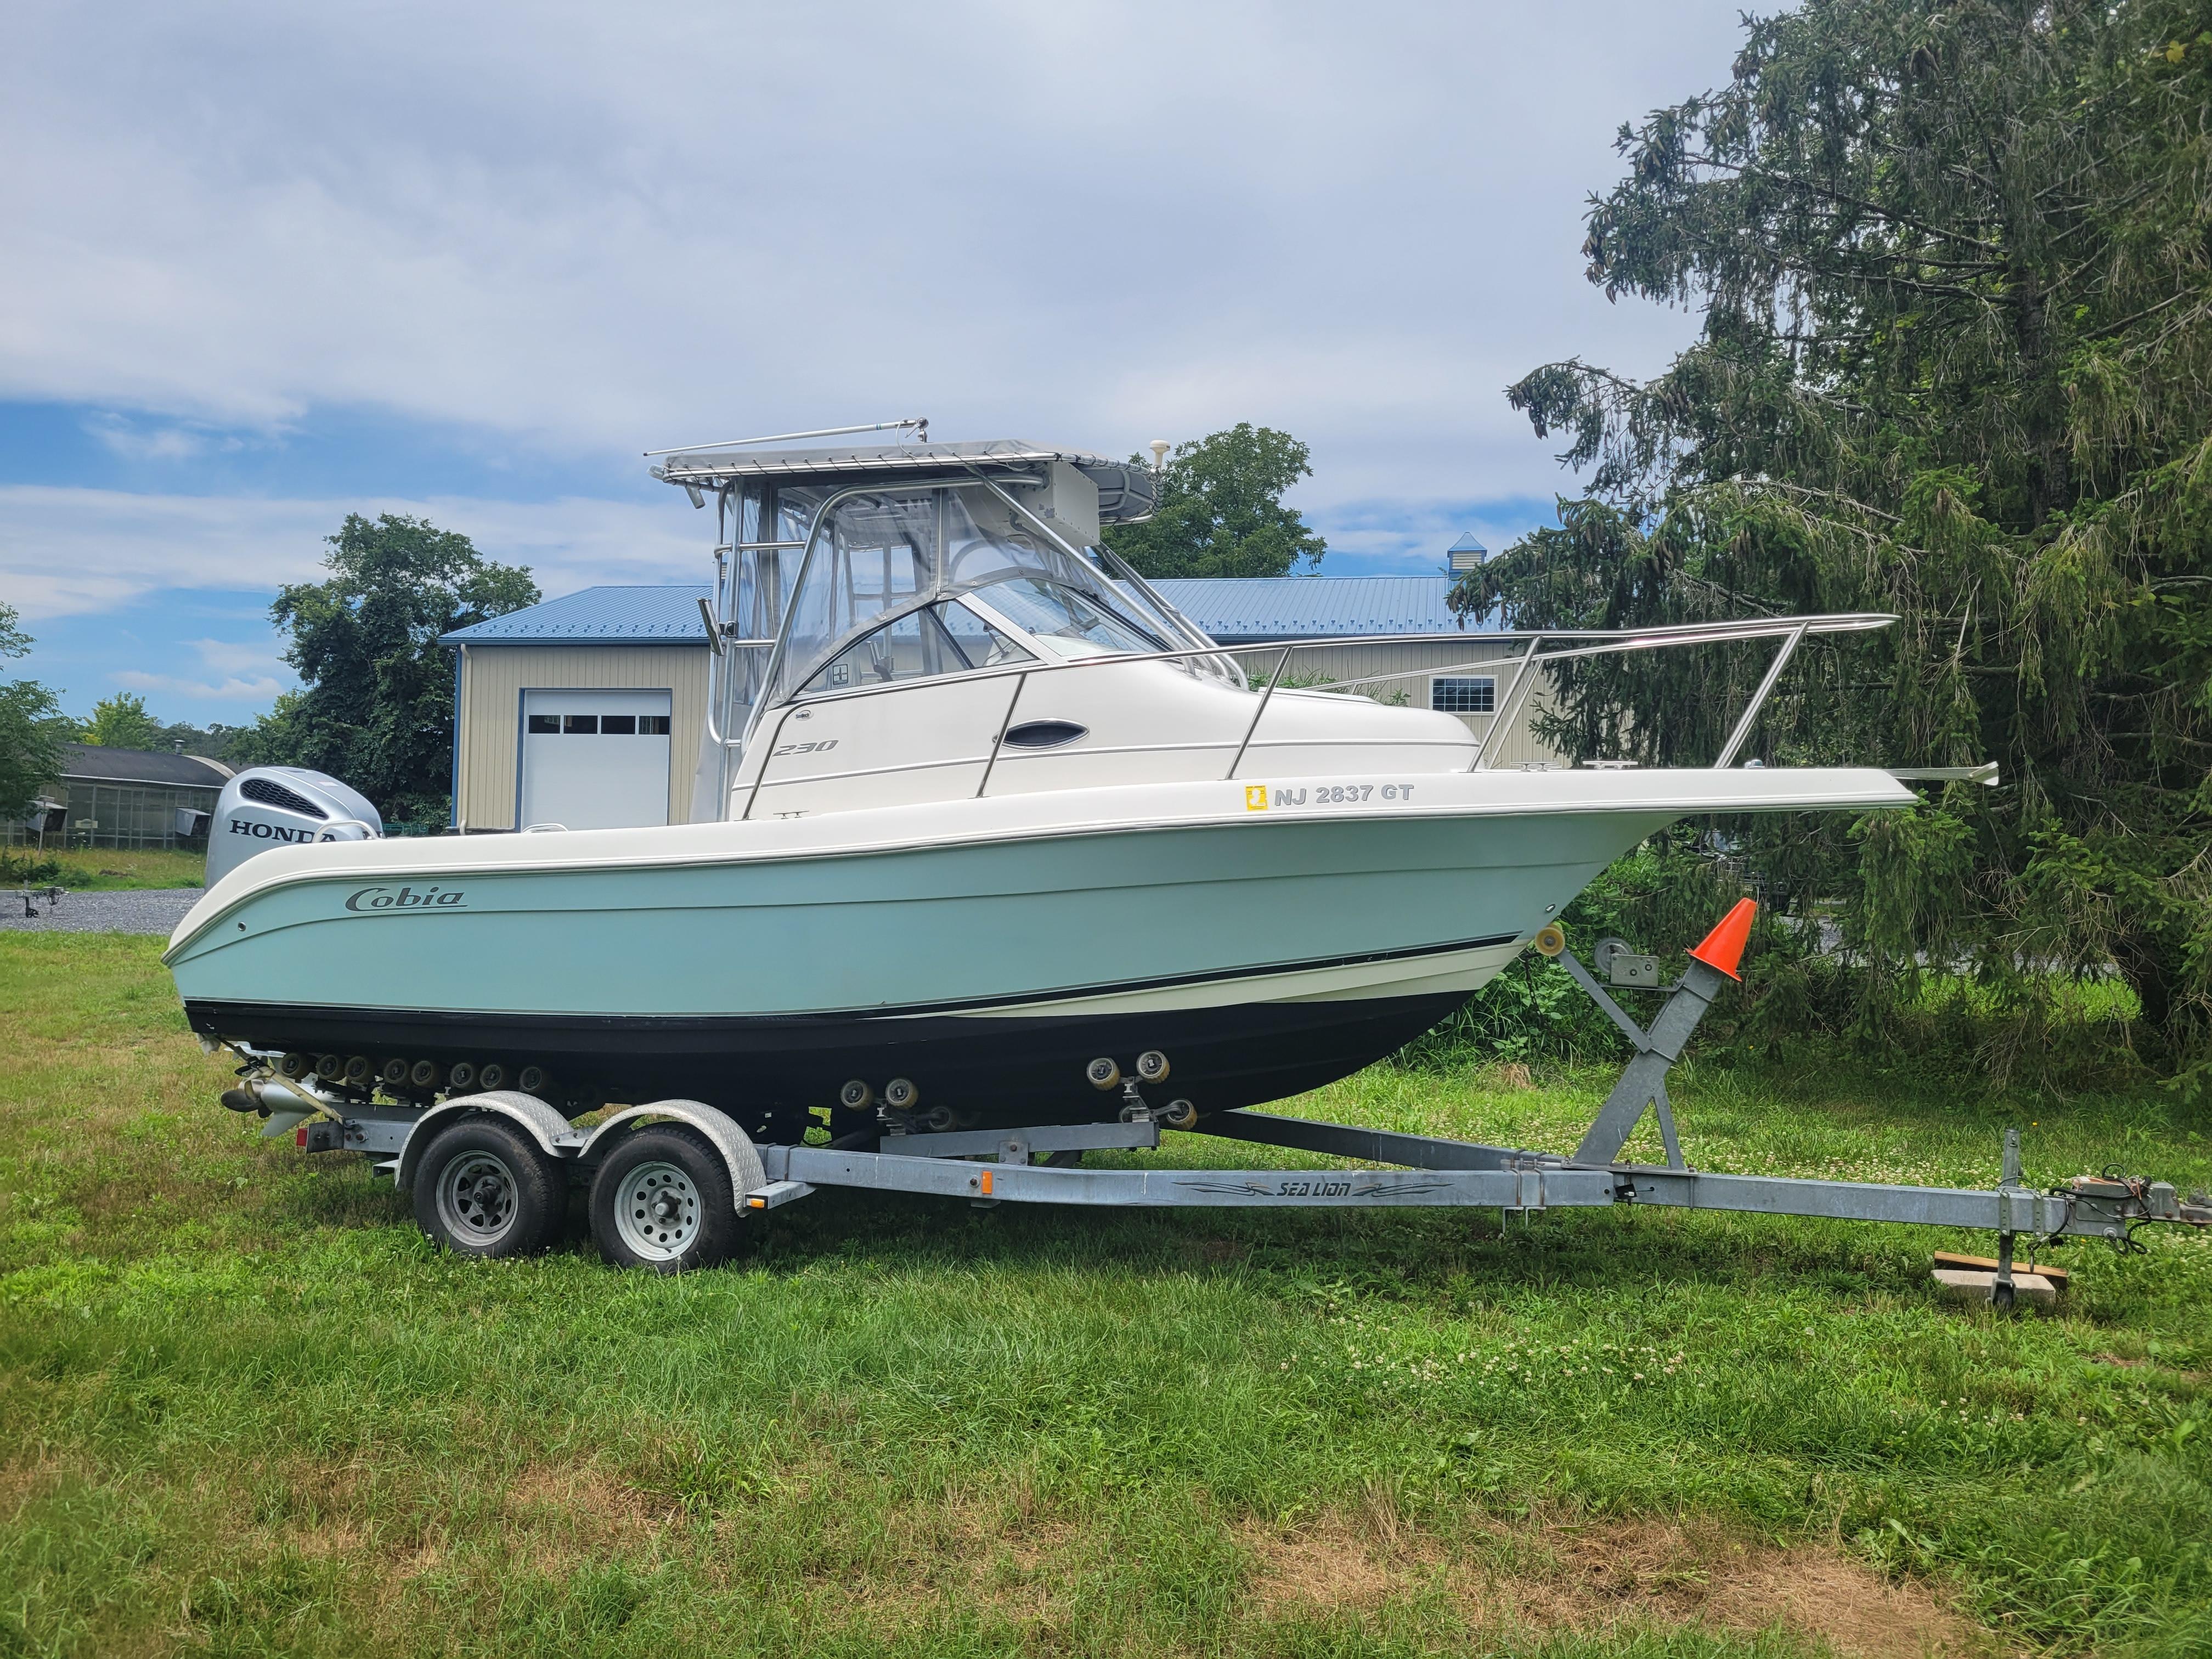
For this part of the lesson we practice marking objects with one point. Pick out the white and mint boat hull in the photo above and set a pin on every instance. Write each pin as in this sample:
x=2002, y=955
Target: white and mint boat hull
x=1266, y=937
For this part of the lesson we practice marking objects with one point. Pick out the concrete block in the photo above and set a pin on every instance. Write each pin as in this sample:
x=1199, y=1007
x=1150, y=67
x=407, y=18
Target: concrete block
x=1969, y=1284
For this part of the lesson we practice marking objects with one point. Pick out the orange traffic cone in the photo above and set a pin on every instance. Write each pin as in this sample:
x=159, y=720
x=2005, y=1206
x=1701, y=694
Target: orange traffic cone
x=1723, y=948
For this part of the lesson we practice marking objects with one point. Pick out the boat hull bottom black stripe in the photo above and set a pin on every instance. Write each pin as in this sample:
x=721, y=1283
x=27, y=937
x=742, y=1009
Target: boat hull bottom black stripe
x=1007, y=1068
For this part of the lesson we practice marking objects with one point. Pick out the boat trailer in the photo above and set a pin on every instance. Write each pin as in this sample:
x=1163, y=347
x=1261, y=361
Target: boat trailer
x=1033, y=1165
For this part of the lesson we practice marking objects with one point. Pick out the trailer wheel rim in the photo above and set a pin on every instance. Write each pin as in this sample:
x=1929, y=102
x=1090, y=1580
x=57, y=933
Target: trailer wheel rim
x=477, y=1198
x=657, y=1212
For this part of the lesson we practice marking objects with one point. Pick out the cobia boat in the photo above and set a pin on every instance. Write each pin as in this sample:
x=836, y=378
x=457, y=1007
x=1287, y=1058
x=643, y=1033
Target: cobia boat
x=982, y=824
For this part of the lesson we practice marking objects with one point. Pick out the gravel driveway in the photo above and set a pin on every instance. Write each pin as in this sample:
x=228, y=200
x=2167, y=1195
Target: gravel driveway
x=149, y=911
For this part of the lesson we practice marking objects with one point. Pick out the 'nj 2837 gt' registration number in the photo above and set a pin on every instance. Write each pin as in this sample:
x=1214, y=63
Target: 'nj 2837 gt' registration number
x=1262, y=797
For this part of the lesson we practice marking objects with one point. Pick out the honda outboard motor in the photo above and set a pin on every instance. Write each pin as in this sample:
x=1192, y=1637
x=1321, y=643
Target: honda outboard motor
x=267, y=807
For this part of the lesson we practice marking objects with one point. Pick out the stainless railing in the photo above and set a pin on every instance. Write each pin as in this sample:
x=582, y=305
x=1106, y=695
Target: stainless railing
x=1577, y=642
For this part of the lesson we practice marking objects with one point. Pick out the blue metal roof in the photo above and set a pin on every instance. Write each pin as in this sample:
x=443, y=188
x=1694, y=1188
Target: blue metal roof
x=1468, y=542
x=598, y=616
x=1236, y=611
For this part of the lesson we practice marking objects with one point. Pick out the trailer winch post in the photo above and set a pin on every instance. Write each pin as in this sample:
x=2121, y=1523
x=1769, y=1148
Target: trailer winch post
x=1643, y=1079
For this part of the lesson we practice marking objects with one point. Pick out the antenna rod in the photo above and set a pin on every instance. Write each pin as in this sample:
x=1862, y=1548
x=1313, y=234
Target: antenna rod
x=921, y=422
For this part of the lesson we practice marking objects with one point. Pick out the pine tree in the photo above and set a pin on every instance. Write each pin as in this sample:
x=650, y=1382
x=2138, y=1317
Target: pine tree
x=1955, y=263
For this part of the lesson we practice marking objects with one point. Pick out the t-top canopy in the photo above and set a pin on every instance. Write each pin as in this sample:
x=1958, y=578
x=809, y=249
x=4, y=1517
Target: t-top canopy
x=1126, y=490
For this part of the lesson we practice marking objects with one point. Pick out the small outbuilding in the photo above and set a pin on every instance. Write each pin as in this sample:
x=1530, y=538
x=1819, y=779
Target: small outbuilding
x=127, y=799
x=587, y=711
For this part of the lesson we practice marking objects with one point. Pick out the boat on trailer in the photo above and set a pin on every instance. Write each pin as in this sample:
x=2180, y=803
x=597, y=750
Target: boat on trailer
x=983, y=820
x=996, y=860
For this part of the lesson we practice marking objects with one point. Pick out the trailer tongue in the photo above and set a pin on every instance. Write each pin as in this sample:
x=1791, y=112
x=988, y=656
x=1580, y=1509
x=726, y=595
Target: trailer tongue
x=670, y=1181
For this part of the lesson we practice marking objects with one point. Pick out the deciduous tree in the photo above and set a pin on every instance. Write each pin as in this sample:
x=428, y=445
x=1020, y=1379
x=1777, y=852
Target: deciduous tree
x=1221, y=510
x=31, y=728
x=121, y=722
x=375, y=705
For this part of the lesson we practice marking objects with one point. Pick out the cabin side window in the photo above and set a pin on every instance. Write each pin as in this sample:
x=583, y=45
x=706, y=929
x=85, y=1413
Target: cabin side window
x=979, y=644
x=941, y=639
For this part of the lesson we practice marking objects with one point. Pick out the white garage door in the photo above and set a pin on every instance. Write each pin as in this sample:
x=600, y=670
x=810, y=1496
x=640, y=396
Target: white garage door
x=594, y=760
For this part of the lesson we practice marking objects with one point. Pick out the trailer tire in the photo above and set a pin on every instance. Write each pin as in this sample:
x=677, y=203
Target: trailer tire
x=662, y=1199
x=484, y=1189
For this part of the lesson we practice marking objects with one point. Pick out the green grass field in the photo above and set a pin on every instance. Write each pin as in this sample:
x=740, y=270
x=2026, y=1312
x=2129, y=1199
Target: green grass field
x=93, y=869
x=246, y=1409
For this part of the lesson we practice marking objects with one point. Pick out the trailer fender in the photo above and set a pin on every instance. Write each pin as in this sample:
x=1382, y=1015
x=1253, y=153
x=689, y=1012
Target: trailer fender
x=540, y=1121
x=721, y=1130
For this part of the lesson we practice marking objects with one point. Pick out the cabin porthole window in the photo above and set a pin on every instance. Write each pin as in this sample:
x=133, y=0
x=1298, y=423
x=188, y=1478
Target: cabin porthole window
x=1462, y=694
x=1044, y=734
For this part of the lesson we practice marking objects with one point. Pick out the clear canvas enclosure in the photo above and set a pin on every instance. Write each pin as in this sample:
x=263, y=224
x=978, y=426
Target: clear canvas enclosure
x=893, y=565
x=841, y=571
x=829, y=590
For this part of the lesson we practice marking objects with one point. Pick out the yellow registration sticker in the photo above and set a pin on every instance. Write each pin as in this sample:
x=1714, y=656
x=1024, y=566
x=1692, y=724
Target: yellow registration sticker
x=1255, y=797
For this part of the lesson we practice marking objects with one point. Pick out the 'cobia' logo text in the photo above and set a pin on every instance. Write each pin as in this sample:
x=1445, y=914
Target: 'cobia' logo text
x=404, y=898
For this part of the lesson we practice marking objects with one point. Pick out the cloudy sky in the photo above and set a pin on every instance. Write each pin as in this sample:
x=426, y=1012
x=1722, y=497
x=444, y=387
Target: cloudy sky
x=261, y=266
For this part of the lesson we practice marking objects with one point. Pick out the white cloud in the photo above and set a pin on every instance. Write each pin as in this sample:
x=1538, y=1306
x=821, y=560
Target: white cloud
x=136, y=443
x=238, y=657
x=260, y=691
x=74, y=552
x=239, y=670
x=65, y=552
x=595, y=230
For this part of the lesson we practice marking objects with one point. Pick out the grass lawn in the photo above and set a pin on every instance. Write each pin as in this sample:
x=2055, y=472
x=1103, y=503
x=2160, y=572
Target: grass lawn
x=95, y=869
x=246, y=1409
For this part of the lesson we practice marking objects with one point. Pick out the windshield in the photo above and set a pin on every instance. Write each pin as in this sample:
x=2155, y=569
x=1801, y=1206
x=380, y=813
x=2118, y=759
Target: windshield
x=1064, y=621
x=981, y=645
x=880, y=555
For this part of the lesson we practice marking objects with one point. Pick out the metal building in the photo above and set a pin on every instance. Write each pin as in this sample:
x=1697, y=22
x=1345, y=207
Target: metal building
x=587, y=710
x=130, y=799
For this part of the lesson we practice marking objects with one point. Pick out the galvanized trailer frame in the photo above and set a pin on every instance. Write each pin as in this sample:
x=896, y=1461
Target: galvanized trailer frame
x=997, y=1166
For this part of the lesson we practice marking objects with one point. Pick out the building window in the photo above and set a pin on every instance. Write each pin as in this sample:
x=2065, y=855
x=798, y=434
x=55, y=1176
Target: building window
x=604, y=726
x=1452, y=696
